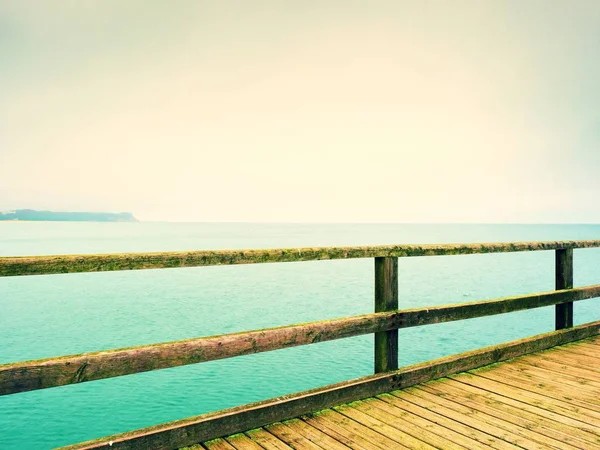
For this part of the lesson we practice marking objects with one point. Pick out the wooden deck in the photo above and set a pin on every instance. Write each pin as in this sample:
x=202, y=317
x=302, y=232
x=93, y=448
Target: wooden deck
x=546, y=400
x=543, y=400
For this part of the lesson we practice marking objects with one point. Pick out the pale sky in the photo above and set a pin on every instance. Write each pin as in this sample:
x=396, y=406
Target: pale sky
x=303, y=111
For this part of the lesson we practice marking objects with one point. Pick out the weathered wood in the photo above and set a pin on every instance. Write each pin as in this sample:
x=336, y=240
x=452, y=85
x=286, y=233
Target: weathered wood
x=386, y=299
x=423, y=427
x=51, y=372
x=520, y=414
x=291, y=437
x=548, y=390
x=243, y=442
x=593, y=351
x=559, y=368
x=404, y=432
x=536, y=403
x=219, y=444
x=209, y=426
x=590, y=346
x=400, y=438
x=267, y=440
x=572, y=359
x=44, y=265
x=475, y=419
x=315, y=435
x=560, y=362
x=564, y=280
x=479, y=438
x=348, y=437
x=572, y=378
x=372, y=440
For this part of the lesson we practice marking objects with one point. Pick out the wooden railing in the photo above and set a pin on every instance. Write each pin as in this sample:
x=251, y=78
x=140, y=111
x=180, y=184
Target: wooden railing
x=384, y=323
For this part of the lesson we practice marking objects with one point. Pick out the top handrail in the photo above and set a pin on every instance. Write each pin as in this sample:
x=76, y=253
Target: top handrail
x=57, y=264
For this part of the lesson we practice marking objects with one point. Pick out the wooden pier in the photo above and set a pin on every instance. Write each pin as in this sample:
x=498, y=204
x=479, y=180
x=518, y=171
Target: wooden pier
x=547, y=399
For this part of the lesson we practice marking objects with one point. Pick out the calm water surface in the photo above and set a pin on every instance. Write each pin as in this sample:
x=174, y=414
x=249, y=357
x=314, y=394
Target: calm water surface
x=42, y=316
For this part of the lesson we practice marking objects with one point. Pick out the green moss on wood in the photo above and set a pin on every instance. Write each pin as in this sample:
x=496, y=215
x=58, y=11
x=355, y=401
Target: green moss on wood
x=40, y=265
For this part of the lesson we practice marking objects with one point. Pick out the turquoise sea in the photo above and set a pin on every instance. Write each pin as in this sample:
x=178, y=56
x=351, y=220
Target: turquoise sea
x=52, y=315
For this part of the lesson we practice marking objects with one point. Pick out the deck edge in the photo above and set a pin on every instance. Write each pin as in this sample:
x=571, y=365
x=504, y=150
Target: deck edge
x=193, y=430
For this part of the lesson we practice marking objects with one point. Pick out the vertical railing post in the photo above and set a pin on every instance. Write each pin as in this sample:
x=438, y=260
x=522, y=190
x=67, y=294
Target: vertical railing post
x=386, y=299
x=564, y=280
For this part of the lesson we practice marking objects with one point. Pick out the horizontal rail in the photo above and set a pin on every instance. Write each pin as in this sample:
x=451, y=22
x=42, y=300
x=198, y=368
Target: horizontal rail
x=201, y=428
x=51, y=372
x=45, y=265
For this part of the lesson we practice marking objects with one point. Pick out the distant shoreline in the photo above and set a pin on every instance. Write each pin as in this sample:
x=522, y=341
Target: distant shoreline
x=67, y=221
x=32, y=215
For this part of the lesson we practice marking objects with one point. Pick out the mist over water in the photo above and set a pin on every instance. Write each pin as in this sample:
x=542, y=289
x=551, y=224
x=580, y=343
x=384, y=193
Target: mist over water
x=43, y=316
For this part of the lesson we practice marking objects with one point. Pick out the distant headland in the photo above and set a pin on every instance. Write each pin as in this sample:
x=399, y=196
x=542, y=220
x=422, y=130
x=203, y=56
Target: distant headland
x=32, y=214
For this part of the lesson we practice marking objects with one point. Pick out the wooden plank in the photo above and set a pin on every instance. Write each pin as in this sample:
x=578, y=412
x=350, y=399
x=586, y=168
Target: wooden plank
x=593, y=342
x=564, y=280
x=537, y=410
x=347, y=437
x=591, y=345
x=419, y=409
x=588, y=347
x=208, y=426
x=472, y=418
x=422, y=434
x=572, y=378
x=555, y=389
x=291, y=437
x=219, y=444
x=386, y=299
x=267, y=440
x=548, y=388
x=313, y=434
x=58, y=264
x=559, y=368
x=427, y=428
x=568, y=358
x=588, y=364
x=547, y=423
x=51, y=372
x=400, y=437
x=590, y=350
x=243, y=442
x=548, y=435
x=344, y=422
x=583, y=352
x=533, y=398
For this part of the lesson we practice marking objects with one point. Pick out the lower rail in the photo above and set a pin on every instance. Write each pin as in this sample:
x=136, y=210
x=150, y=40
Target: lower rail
x=217, y=424
x=51, y=372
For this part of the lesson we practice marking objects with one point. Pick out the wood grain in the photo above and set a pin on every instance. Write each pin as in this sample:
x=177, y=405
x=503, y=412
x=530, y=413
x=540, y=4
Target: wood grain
x=209, y=426
x=564, y=280
x=45, y=265
x=51, y=372
x=386, y=299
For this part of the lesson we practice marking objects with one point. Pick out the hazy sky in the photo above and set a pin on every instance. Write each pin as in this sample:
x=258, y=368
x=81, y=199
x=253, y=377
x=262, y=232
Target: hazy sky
x=303, y=111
